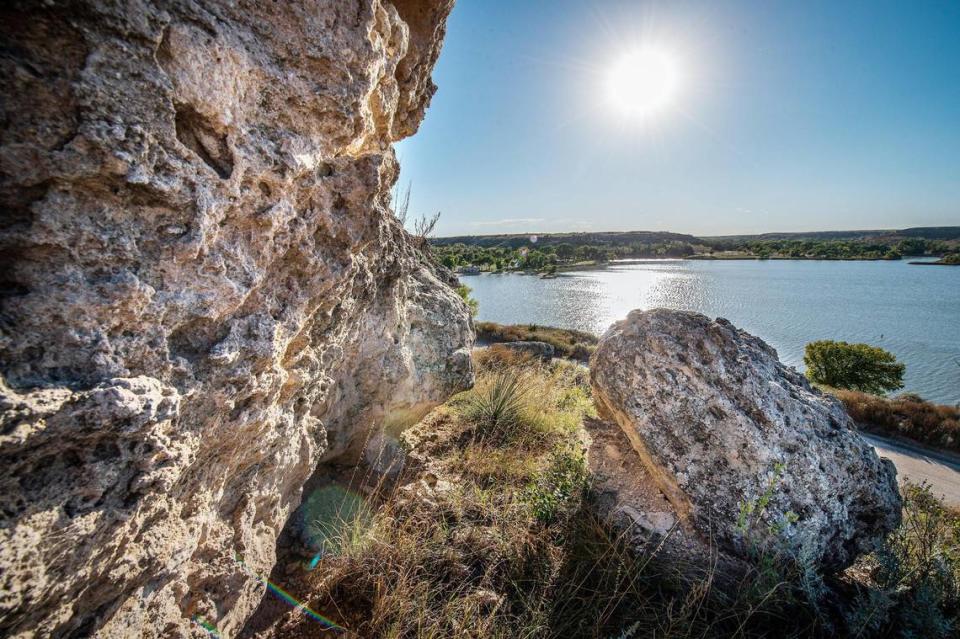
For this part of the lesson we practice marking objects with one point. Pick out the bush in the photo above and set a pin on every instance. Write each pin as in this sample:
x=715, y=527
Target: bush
x=907, y=416
x=913, y=581
x=464, y=292
x=860, y=367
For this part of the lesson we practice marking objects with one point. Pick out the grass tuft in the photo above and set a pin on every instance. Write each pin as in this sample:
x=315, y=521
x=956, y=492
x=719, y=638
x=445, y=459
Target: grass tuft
x=497, y=405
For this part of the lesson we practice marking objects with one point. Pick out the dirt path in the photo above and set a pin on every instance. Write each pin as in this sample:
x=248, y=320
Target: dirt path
x=940, y=470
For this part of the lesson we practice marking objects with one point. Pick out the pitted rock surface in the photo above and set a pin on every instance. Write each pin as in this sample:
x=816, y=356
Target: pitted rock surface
x=723, y=426
x=204, y=292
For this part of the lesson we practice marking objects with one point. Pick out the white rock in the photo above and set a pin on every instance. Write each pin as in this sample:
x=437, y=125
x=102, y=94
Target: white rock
x=720, y=423
x=192, y=320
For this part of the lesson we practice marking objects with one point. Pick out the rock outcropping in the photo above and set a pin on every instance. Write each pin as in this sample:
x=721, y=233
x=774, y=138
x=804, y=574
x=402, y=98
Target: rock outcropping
x=204, y=293
x=744, y=448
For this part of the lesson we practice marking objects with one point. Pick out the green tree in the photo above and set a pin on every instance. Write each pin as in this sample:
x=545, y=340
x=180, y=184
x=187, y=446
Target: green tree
x=861, y=367
x=565, y=251
x=535, y=260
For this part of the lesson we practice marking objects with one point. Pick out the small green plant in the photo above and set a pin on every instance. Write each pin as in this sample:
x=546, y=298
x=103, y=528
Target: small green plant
x=552, y=493
x=860, y=367
x=464, y=292
x=752, y=511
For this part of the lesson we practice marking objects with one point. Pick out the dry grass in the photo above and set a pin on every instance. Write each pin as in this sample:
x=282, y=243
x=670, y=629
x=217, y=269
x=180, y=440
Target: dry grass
x=493, y=534
x=478, y=555
x=910, y=587
x=905, y=416
x=571, y=344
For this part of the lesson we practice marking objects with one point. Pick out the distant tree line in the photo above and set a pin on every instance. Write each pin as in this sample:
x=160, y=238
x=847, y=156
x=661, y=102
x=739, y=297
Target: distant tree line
x=545, y=256
x=853, y=249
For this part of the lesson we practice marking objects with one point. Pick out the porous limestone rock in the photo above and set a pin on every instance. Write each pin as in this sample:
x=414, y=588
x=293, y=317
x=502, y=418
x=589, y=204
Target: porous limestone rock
x=204, y=293
x=744, y=448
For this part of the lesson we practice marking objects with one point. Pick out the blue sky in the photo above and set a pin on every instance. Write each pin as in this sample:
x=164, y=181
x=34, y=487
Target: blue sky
x=790, y=116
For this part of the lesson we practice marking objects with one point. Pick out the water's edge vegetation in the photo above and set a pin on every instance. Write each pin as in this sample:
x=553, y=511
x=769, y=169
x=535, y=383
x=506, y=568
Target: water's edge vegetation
x=561, y=251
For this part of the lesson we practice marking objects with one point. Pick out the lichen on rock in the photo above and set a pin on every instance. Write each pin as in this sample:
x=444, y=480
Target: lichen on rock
x=204, y=292
x=746, y=451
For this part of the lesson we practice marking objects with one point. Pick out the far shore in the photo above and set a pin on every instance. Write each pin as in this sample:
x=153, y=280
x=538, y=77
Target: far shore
x=590, y=265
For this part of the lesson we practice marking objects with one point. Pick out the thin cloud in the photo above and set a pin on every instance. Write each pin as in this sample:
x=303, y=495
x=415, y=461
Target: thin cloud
x=510, y=221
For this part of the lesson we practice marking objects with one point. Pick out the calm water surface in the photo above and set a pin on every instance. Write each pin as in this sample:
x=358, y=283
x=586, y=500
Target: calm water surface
x=912, y=311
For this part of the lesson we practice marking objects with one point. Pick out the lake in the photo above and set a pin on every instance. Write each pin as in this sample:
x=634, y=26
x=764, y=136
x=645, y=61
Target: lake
x=912, y=311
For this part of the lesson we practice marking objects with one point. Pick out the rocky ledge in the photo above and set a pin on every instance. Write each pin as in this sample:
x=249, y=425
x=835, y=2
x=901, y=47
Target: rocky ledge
x=745, y=450
x=204, y=292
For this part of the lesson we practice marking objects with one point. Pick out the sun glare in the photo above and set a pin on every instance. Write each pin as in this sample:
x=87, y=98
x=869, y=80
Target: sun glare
x=643, y=82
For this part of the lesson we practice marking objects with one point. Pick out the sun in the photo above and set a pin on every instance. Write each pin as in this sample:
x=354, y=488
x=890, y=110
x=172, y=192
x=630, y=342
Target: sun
x=643, y=82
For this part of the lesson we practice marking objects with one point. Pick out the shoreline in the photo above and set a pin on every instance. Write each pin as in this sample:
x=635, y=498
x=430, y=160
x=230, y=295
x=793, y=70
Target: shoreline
x=594, y=265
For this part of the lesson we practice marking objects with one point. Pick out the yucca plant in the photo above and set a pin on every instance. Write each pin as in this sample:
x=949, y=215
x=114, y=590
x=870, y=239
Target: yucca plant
x=498, y=408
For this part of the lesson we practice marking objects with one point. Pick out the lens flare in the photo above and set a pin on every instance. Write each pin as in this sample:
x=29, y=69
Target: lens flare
x=287, y=597
x=206, y=625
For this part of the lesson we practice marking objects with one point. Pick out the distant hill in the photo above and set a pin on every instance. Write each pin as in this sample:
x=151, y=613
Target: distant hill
x=921, y=232
x=933, y=232
x=610, y=238
x=623, y=238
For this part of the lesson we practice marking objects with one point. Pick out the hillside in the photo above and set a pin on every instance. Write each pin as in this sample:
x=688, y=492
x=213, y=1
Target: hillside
x=622, y=238
x=919, y=232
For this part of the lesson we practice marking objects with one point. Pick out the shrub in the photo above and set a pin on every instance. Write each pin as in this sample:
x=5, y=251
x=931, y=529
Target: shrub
x=464, y=292
x=861, y=367
x=913, y=581
x=498, y=357
x=905, y=416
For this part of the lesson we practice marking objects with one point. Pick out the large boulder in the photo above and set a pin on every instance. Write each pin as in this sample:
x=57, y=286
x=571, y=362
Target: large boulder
x=204, y=292
x=744, y=448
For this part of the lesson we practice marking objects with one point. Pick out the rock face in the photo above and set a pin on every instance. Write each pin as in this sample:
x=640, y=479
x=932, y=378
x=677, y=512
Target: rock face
x=742, y=446
x=204, y=293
